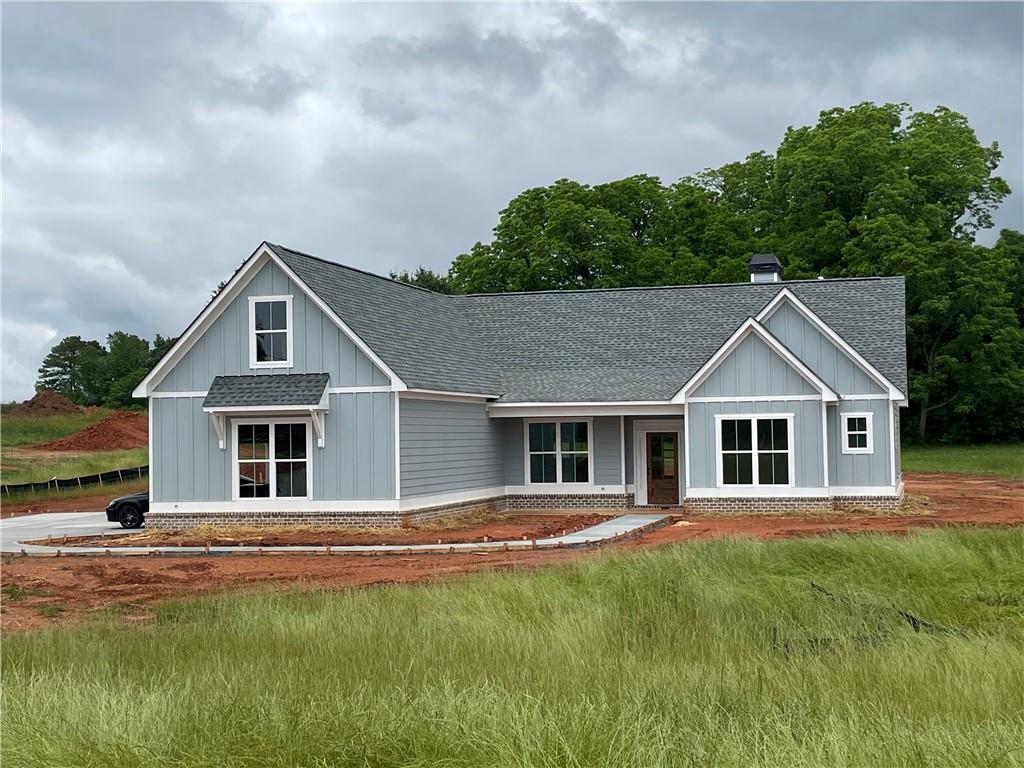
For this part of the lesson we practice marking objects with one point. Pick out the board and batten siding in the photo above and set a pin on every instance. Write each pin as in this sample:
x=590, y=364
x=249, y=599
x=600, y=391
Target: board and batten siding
x=808, y=454
x=819, y=353
x=607, y=469
x=753, y=368
x=851, y=469
x=357, y=461
x=448, y=446
x=318, y=344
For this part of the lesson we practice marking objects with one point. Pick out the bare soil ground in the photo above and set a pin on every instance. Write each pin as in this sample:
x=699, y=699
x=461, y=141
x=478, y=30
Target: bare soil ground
x=91, y=503
x=476, y=528
x=82, y=585
x=120, y=430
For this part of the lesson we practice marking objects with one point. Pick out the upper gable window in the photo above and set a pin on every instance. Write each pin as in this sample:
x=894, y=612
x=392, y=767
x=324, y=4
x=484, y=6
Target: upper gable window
x=270, y=331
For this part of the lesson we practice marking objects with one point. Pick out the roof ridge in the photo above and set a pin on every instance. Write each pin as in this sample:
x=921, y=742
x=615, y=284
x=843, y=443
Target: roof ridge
x=355, y=269
x=780, y=284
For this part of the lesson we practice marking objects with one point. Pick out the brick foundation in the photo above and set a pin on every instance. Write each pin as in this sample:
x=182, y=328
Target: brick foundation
x=515, y=503
x=567, y=501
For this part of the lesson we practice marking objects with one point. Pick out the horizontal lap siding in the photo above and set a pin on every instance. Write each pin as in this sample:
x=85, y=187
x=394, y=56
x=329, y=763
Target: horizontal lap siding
x=448, y=446
x=806, y=438
x=607, y=447
x=319, y=346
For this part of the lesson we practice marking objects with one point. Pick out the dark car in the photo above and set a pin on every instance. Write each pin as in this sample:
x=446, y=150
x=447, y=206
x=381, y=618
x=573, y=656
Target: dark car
x=130, y=510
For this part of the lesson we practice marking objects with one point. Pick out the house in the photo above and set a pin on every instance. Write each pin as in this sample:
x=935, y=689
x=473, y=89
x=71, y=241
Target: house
x=307, y=391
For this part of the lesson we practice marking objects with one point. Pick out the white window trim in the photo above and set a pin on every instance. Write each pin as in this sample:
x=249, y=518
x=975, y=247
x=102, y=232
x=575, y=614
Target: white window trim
x=289, y=333
x=869, y=418
x=272, y=500
x=753, y=417
x=558, y=453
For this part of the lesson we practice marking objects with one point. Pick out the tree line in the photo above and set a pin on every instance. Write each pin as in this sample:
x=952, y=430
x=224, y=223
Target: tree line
x=868, y=190
x=89, y=373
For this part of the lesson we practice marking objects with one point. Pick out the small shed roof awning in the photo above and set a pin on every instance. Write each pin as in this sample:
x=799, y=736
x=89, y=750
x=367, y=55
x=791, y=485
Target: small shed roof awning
x=292, y=391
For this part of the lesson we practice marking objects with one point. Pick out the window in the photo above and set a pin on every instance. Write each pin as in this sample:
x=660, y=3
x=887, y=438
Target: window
x=857, y=437
x=755, y=450
x=270, y=331
x=558, y=451
x=273, y=460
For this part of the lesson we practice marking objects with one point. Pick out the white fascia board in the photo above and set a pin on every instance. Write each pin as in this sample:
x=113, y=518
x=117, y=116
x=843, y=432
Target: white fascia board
x=786, y=295
x=439, y=394
x=229, y=293
x=750, y=325
x=204, y=320
x=396, y=382
x=638, y=408
x=229, y=409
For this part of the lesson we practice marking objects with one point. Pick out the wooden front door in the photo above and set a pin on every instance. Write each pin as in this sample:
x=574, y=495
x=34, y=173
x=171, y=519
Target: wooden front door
x=662, y=468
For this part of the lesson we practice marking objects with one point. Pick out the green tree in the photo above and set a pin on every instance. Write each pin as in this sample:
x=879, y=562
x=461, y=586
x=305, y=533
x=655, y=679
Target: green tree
x=423, y=278
x=73, y=367
x=126, y=363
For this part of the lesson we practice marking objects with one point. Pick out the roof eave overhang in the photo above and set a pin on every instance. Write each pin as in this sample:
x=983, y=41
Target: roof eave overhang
x=232, y=289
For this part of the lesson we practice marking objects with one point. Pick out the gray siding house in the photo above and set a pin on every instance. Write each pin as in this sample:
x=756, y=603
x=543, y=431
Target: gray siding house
x=307, y=391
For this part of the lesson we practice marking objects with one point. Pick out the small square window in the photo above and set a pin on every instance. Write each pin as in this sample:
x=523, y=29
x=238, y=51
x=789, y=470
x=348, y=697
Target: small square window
x=856, y=436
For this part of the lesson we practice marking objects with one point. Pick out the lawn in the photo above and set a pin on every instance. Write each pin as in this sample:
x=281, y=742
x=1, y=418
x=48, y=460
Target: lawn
x=30, y=430
x=28, y=468
x=1005, y=460
x=710, y=653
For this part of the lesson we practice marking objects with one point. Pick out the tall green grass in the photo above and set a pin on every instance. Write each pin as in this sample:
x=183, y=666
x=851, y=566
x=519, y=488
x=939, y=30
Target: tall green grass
x=1003, y=460
x=705, y=654
x=36, y=469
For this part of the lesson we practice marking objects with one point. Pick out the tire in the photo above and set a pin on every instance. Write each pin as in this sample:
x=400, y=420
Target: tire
x=130, y=516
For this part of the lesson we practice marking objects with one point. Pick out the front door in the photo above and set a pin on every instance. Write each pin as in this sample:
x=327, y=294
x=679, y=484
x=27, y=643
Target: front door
x=662, y=469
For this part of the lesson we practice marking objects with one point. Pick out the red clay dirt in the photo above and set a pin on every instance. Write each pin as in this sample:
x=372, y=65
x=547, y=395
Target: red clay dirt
x=520, y=527
x=119, y=431
x=46, y=402
x=80, y=585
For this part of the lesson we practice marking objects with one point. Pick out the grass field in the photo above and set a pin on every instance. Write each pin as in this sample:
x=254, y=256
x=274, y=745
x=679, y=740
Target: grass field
x=711, y=653
x=21, y=468
x=1006, y=460
x=29, y=430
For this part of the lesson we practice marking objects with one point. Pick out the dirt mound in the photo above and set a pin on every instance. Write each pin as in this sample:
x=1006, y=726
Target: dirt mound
x=45, y=403
x=117, y=432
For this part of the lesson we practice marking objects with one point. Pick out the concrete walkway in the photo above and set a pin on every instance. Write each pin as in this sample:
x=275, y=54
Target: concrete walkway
x=16, y=530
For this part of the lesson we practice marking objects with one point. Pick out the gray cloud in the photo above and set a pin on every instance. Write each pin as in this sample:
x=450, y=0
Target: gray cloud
x=148, y=148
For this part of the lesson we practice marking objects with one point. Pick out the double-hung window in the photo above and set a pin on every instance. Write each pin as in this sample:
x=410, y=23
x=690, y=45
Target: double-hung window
x=273, y=460
x=558, y=451
x=270, y=331
x=857, y=429
x=755, y=450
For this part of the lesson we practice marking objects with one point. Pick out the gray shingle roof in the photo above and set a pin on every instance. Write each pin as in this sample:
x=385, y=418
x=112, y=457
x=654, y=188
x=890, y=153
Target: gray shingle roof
x=594, y=345
x=292, y=389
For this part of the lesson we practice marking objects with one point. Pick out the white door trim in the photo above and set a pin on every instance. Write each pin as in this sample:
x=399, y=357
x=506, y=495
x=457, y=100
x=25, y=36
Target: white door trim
x=640, y=429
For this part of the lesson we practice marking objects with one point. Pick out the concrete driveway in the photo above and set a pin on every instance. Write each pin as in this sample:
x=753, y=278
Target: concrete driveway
x=56, y=524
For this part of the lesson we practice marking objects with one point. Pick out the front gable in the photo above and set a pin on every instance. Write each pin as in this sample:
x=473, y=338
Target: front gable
x=822, y=349
x=820, y=353
x=218, y=342
x=753, y=368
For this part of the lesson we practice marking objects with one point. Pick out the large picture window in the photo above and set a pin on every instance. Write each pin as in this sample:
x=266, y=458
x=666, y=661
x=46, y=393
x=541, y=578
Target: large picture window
x=558, y=451
x=270, y=331
x=755, y=450
x=273, y=460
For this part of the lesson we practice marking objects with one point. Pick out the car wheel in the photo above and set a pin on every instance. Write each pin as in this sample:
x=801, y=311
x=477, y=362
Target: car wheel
x=130, y=516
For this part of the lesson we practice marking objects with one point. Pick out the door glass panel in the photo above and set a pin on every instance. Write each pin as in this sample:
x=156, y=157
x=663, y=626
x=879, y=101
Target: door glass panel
x=669, y=454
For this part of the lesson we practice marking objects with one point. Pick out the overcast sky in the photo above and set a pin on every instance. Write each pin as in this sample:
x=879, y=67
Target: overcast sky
x=147, y=148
